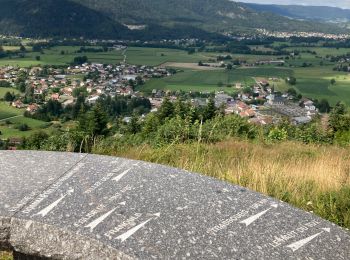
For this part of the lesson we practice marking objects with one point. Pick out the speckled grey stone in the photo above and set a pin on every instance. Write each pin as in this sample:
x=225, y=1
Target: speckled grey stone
x=72, y=206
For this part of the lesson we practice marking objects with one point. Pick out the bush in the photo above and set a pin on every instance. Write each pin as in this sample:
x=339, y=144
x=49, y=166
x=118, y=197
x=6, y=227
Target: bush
x=23, y=127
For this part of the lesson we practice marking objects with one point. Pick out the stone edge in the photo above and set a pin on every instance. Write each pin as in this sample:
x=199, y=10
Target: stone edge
x=42, y=240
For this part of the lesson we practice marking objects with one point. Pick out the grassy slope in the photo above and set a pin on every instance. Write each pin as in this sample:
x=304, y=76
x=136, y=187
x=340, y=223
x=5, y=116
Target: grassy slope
x=313, y=178
x=9, y=130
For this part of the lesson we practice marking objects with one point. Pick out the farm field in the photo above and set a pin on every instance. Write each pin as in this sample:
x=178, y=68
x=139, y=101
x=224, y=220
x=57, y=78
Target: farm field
x=53, y=56
x=135, y=55
x=316, y=83
x=207, y=81
x=158, y=56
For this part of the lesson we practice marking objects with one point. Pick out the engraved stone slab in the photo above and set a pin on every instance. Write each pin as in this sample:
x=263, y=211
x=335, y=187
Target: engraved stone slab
x=98, y=207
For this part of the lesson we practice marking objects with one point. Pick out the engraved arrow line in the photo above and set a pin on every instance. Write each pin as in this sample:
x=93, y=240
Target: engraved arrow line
x=132, y=231
x=299, y=244
x=121, y=175
x=49, y=208
x=99, y=220
x=254, y=218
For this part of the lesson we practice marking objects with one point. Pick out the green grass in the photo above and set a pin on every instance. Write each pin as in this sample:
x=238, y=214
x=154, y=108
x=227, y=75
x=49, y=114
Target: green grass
x=7, y=111
x=4, y=90
x=192, y=80
x=157, y=56
x=53, y=56
x=9, y=130
x=321, y=51
x=135, y=55
x=315, y=82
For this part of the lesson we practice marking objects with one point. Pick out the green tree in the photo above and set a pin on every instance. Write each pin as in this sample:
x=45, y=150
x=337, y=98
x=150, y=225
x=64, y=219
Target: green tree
x=9, y=97
x=97, y=121
x=210, y=110
x=166, y=110
x=134, y=126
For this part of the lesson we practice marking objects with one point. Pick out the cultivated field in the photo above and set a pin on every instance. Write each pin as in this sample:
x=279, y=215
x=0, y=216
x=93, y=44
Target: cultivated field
x=191, y=80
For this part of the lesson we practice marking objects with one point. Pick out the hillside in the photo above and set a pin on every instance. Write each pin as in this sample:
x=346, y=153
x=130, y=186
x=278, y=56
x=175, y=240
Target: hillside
x=158, y=19
x=55, y=18
x=317, y=13
x=218, y=15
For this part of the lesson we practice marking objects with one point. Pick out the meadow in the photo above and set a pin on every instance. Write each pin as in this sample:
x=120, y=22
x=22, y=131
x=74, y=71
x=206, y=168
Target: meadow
x=206, y=81
x=314, y=178
x=11, y=118
x=135, y=55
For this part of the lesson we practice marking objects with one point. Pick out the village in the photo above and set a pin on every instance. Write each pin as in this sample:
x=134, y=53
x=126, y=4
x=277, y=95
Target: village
x=259, y=103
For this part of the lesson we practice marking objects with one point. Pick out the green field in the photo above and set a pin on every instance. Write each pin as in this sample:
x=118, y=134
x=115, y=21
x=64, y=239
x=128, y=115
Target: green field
x=4, y=90
x=9, y=130
x=316, y=82
x=157, y=56
x=135, y=55
x=53, y=56
x=192, y=80
x=7, y=111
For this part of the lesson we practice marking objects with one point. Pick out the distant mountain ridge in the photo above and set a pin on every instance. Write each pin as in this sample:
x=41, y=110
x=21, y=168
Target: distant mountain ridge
x=154, y=19
x=316, y=13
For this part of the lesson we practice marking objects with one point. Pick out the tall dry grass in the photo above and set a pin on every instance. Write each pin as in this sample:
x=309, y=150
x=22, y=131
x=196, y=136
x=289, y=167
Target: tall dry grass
x=314, y=178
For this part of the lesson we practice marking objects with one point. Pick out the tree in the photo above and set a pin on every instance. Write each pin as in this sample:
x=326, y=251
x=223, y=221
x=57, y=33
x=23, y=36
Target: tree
x=210, y=110
x=292, y=92
x=134, y=126
x=324, y=106
x=166, y=110
x=291, y=81
x=97, y=121
x=333, y=81
x=9, y=97
x=22, y=48
x=338, y=119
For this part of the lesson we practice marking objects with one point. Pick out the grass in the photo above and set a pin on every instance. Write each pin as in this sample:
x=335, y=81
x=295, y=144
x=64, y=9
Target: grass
x=7, y=111
x=53, y=56
x=313, y=178
x=135, y=55
x=157, y=56
x=316, y=82
x=9, y=130
x=192, y=80
x=4, y=90
x=5, y=255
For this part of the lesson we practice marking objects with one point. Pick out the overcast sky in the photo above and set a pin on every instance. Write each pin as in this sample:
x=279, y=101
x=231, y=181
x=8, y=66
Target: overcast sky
x=338, y=3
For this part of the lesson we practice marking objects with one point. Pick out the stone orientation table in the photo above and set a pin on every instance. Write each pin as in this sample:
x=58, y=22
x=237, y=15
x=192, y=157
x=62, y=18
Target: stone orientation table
x=78, y=206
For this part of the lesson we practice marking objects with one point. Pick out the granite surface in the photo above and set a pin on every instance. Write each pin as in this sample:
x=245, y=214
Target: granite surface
x=76, y=206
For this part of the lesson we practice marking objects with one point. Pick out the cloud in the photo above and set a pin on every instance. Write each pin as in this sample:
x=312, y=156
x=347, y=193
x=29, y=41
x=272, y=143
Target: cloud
x=337, y=3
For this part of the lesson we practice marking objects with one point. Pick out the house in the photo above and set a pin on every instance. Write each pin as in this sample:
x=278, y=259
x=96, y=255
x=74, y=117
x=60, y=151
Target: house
x=32, y=108
x=309, y=105
x=55, y=96
x=275, y=100
x=18, y=104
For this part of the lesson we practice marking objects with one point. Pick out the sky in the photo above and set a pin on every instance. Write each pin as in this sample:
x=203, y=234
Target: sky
x=337, y=3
